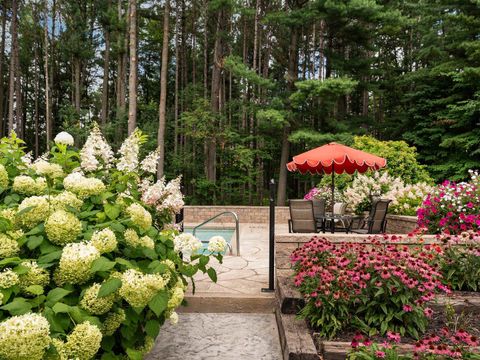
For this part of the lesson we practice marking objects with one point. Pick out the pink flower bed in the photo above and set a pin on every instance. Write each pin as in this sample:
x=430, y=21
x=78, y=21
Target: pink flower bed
x=373, y=287
x=452, y=207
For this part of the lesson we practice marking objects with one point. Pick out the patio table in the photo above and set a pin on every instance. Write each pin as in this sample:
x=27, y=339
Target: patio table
x=332, y=217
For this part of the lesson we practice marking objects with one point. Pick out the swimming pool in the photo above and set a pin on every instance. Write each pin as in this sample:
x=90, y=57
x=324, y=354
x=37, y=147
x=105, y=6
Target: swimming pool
x=204, y=234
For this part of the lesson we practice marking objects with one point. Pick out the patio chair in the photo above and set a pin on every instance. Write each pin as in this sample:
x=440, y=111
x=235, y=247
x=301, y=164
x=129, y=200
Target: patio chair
x=375, y=223
x=302, y=219
x=319, y=208
x=339, y=210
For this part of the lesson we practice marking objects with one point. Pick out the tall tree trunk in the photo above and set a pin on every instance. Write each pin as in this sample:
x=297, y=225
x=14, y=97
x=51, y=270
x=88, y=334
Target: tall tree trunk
x=163, y=92
x=177, y=69
x=77, y=68
x=2, y=59
x=215, y=93
x=36, y=95
x=14, y=51
x=205, y=49
x=106, y=70
x=48, y=101
x=291, y=78
x=132, y=78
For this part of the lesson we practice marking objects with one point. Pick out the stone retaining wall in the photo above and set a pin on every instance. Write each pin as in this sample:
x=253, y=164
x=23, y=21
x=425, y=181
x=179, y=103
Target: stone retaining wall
x=285, y=244
x=246, y=214
x=400, y=224
x=196, y=214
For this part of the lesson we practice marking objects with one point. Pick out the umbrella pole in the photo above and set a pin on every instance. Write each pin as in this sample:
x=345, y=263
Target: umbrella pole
x=333, y=199
x=333, y=185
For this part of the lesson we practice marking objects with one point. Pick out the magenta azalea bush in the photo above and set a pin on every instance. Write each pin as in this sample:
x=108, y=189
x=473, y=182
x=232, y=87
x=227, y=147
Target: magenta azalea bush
x=373, y=287
x=452, y=207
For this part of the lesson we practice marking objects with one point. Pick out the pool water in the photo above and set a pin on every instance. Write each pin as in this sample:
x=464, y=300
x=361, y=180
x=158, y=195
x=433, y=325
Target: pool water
x=204, y=234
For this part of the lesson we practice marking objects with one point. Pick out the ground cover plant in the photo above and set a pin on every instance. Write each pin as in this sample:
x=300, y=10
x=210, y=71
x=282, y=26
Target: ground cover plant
x=374, y=287
x=452, y=207
x=90, y=265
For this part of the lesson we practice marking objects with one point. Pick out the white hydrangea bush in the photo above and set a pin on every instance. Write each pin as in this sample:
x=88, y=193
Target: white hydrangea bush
x=90, y=264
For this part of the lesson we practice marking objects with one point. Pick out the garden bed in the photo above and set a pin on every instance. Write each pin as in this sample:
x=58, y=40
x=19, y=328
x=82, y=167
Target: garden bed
x=466, y=307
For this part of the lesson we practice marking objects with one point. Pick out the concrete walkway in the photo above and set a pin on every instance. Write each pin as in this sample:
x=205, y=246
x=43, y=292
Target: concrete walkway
x=230, y=319
x=219, y=337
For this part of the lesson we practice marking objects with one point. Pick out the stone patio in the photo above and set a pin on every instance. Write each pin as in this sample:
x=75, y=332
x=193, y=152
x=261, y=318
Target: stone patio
x=243, y=275
x=219, y=337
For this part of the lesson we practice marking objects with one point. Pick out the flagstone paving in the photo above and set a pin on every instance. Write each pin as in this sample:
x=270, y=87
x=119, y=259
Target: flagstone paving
x=243, y=275
x=219, y=337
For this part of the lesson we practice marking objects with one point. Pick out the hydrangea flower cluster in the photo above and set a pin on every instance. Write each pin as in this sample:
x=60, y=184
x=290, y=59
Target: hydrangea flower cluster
x=96, y=153
x=3, y=177
x=96, y=305
x=129, y=151
x=8, y=247
x=139, y=288
x=149, y=164
x=452, y=207
x=82, y=343
x=164, y=197
x=75, y=263
x=132, y=239
x=139, y=216
x=64, y=138
x=24, y=337
x=34, y=276
x=83, y=186
x=65, y=200
x=187, y=244
x=361, y=278
x=217, y=244
x=44, y=168
x=408, y=199
x=62, y=227
x=113, y=321
x=357, y=196
x=105, y=240
x=8, y=279
x=35, y=209
x=27, y=185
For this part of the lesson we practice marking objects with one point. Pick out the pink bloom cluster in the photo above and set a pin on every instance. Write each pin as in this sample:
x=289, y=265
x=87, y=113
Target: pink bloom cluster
x=368, y=273
x=311, y=194
x=446, y=345
x=452, y=207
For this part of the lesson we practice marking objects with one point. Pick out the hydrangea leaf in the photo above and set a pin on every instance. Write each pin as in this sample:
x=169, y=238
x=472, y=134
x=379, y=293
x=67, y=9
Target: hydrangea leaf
x=109, y=286
x=159, y=302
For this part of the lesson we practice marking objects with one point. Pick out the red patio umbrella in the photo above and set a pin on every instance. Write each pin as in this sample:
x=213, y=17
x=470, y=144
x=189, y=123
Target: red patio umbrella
x=335, y=158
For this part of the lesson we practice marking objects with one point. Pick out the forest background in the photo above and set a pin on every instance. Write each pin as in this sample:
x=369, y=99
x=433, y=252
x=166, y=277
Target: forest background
x=229, y=90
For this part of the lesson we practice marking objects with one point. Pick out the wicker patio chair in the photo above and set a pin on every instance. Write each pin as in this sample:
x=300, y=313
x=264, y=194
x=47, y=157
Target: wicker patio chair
x=375, y=223
x=302, y=219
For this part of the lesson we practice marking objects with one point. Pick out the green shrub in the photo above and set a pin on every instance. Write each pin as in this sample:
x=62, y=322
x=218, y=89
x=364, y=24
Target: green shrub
x=90, y=265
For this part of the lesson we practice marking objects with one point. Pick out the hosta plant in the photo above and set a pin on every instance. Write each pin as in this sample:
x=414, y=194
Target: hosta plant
x=90, y=265
x=374, y=287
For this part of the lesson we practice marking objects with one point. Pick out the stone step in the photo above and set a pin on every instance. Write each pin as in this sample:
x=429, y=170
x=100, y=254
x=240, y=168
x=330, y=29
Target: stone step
x=229, y=303
x=295, y=338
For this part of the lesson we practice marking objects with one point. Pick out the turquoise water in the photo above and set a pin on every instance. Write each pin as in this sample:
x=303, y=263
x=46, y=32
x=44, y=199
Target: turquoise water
x=204, y=234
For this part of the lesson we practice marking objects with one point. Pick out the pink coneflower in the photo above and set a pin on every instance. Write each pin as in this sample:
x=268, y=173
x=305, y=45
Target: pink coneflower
x=380, y=354
x=428, y=312
x=407, y=308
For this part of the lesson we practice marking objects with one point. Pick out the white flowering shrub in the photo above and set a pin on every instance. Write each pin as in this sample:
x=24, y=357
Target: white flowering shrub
x=90, y=266
x=406, y=198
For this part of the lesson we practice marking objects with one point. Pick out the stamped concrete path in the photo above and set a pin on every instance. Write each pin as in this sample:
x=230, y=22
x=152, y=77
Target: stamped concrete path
x=230, y=319
x=220, y=337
